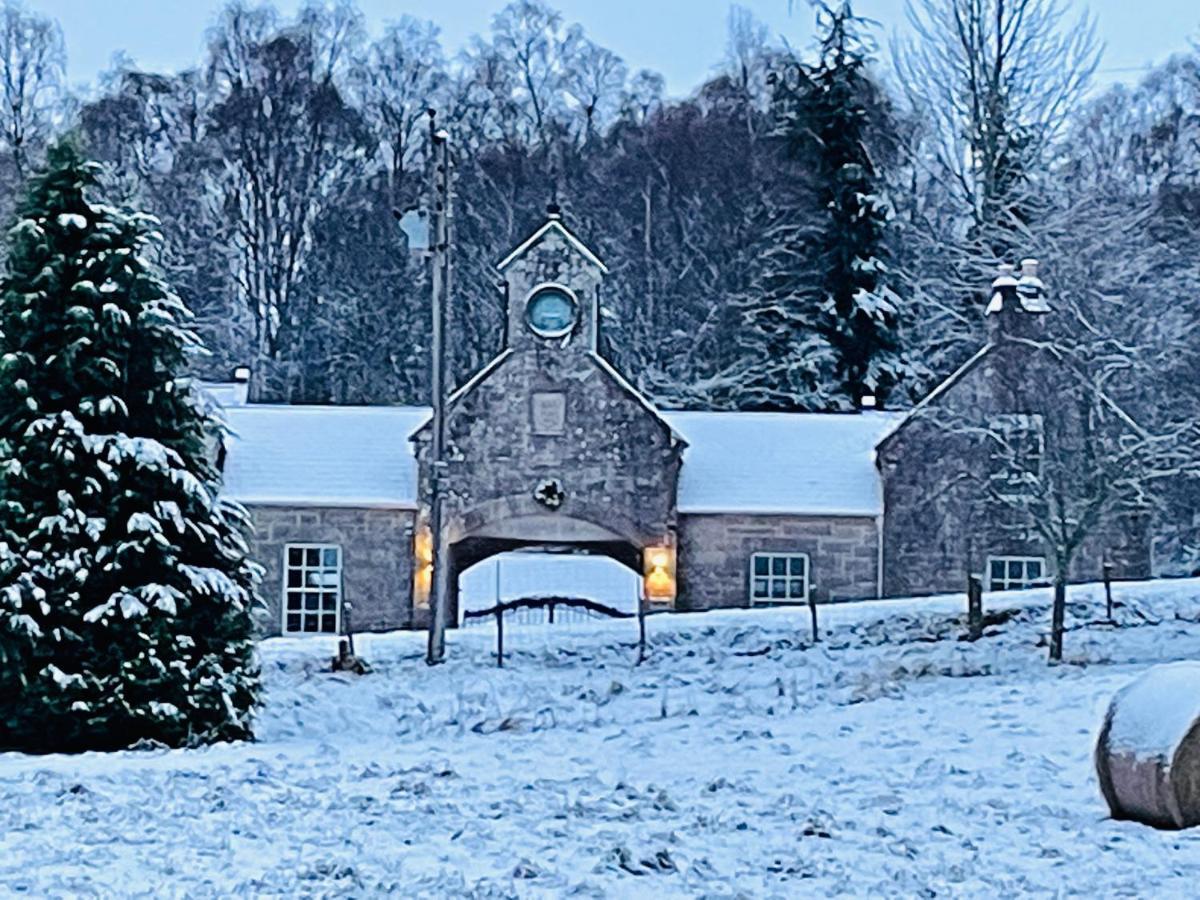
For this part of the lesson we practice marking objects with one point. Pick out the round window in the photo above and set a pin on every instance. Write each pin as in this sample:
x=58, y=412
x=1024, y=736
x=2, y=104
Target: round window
x=551, y=311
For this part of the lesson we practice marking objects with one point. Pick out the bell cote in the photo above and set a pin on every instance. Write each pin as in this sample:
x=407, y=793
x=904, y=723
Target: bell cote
x=552, y=283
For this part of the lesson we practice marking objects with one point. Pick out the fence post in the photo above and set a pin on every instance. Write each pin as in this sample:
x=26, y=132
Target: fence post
x=1107, y=569
x=499, y=639
x=641, y=617
x=551, y=613
x=974, y=607
x=347, y=625
x=812, y=610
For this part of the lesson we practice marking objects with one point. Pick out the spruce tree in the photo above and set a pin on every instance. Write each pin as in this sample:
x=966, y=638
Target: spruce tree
x=859, y=307
x=126, y=595
x=820, y=314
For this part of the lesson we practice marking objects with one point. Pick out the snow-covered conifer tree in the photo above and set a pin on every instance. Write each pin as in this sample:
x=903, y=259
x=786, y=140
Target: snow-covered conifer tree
x=859, y=307
x=126, y=596
x=822, y=316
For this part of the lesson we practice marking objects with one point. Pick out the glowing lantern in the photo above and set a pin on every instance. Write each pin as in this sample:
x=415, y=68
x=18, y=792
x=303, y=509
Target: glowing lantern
x=658, y=573
x=422, y=567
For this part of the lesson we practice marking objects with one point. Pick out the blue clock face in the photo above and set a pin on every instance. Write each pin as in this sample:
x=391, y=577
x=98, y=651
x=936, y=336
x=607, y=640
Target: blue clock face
x=551, y=312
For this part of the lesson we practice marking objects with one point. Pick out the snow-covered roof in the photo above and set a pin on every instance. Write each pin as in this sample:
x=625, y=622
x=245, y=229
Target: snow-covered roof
x=777, y=463
x=226, y=393
x=356, y=456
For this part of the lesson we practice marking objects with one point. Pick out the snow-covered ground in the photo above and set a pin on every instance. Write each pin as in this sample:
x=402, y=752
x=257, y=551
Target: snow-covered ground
x=892, y=759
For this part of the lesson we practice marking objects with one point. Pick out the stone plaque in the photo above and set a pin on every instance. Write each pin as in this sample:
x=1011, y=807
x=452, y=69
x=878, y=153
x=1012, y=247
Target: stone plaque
x=549, y=412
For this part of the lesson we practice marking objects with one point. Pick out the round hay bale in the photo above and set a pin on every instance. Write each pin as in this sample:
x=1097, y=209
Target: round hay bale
x=1148, y=752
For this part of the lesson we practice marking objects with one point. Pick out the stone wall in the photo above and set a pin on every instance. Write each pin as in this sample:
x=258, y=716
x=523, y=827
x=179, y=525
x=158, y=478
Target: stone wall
x=615, y=460
x=938, y=524
x=715, y=551
x=550, y=410
x=376, y=559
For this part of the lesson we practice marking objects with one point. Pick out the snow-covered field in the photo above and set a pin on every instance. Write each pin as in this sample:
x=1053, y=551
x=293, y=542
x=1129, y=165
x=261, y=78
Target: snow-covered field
x=890, y=760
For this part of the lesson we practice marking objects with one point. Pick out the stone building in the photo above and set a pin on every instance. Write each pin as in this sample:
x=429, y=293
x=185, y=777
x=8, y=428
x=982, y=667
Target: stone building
x=1015, y=404
x=549, y=447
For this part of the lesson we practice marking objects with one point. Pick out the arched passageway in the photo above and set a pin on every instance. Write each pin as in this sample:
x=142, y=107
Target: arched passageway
x=537, y=572
x=543, y=556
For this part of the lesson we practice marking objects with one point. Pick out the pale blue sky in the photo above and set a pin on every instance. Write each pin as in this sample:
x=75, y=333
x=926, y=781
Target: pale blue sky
x=680, y=38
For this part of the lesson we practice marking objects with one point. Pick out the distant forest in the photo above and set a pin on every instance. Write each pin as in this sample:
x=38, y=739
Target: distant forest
x=809, y=227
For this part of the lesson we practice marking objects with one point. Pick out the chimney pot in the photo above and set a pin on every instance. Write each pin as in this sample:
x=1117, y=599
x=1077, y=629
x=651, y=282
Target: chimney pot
x=1003, y=286
x=1030, y=289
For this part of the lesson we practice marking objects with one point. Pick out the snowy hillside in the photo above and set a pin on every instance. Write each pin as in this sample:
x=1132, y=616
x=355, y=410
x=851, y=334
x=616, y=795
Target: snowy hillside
x=891, y=760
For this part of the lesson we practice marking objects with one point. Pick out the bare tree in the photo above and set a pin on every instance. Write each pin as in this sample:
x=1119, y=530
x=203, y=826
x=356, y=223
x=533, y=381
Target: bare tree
x=594, y=80
x=32, y=74
x=747, y=52
x=403, y=74
x=644, y=95
x=1063, y=464
x=991, y=85
x=997, y=79
x=336, y=31
x=529, y=36
x=1063, y=481
x=288, y=143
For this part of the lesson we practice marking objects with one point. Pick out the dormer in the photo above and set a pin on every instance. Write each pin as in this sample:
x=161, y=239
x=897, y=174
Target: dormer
x=552, y=284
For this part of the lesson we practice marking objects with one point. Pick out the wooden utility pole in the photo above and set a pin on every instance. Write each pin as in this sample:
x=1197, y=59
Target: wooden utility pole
x=442, y=212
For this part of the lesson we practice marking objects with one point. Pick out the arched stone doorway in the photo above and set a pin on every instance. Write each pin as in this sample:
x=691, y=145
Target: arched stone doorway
x=551, y=532
x=542, y=573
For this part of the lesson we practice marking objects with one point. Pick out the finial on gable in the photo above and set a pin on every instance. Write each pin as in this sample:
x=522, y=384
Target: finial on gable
x=553, y=223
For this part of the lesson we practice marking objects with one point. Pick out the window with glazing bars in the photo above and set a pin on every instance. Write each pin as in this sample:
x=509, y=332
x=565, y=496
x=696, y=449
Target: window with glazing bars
x=312, y=588
x=779, y=578
x=1011, y=573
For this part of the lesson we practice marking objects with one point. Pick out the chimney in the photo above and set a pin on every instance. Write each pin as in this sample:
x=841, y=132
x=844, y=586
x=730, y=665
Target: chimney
x=1017, y=302
x=1004, y=290
x=1030, y=289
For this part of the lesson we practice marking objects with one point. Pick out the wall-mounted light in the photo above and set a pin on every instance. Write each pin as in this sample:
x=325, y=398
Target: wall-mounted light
x=422, y=566
x=658, y=573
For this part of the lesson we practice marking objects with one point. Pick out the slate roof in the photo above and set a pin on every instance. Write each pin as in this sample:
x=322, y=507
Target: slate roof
x=765, y=463
x=779, y=463
x=357, y=456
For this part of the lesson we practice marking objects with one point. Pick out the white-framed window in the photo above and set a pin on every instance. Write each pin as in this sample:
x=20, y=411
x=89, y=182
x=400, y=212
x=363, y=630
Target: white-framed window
x=312, y=589
x=1017, y=447
x=779, y=578
x=1011, y=573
